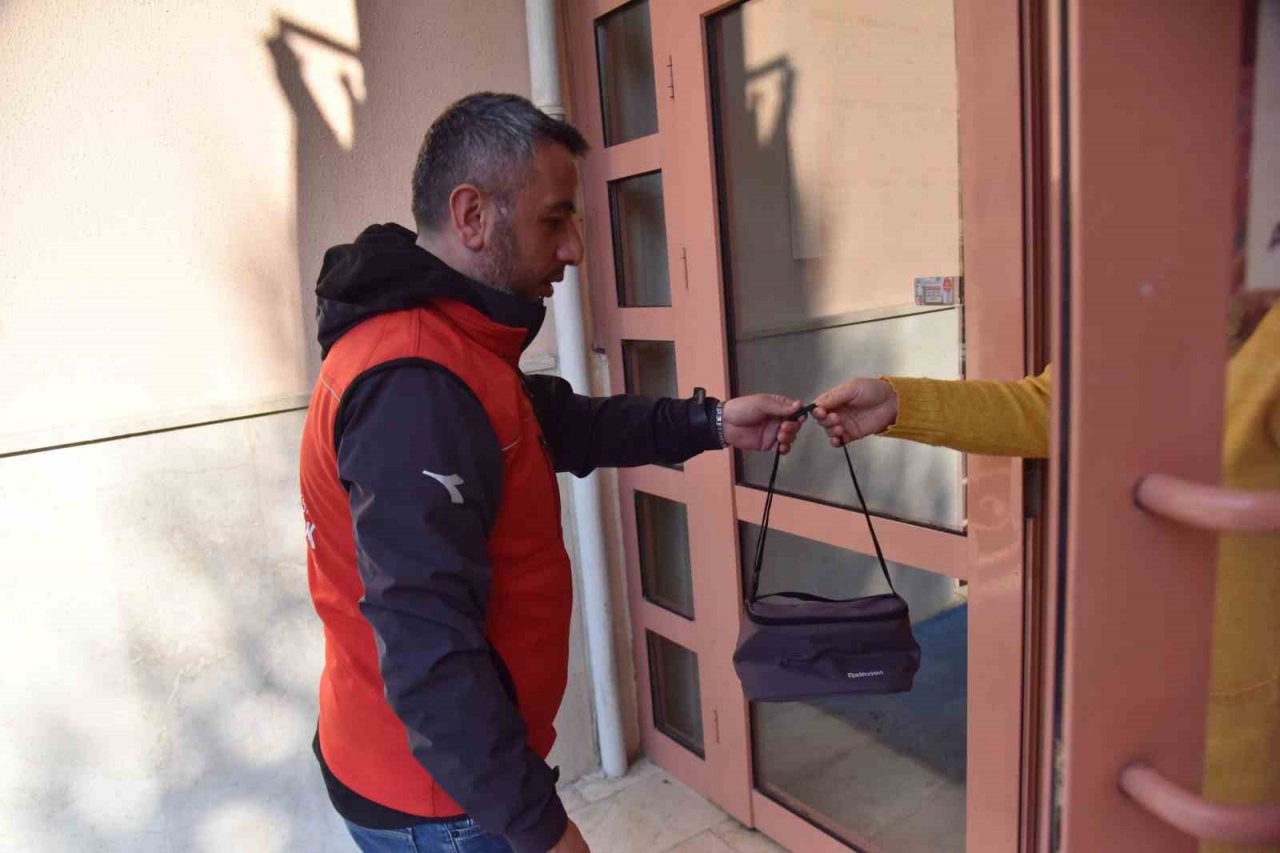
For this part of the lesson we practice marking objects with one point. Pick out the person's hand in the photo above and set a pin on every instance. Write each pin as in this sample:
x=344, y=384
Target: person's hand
x=856, y=409
x=759, y=422
x=571, y=842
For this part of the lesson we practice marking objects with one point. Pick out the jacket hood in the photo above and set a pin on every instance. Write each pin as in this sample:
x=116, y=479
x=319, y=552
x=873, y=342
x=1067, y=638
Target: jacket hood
x=385, y=270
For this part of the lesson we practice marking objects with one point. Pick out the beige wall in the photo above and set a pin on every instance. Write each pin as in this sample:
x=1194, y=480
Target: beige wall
x=163, y=653
x=170, y=183
x=169, y=190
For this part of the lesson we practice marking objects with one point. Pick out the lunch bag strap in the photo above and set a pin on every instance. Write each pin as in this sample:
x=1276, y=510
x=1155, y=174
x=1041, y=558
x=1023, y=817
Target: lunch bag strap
x=764, y=525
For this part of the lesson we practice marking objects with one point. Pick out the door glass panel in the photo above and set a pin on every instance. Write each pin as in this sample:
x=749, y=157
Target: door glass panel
x=624, y=52
x=903, y=479
x=838, y=160
x=640, y=241
x=650, y=368
x=677, y=699
x=890, y=769
x=662, y=527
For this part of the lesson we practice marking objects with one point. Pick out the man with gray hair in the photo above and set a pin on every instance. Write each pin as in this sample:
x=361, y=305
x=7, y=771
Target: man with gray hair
x=435, y=555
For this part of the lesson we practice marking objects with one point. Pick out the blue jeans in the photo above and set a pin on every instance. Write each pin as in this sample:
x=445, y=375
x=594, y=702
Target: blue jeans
x=455, y=836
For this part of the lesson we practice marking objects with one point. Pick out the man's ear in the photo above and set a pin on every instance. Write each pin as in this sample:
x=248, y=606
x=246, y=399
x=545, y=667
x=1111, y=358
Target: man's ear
x=467, y=213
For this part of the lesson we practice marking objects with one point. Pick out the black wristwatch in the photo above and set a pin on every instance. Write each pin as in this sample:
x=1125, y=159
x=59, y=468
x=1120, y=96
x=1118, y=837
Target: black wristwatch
x=709, y=412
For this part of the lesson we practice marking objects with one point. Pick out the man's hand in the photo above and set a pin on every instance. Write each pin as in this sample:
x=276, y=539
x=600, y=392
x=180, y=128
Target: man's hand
x=856, y=409
x=759, y=422
x=571, y=841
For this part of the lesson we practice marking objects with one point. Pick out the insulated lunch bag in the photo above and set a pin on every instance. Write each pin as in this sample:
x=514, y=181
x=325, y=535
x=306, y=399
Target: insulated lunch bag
x=796, y=645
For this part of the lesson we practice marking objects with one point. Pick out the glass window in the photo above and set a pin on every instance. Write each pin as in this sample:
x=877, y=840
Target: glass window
x=650, y=368
x=677, y=699
x=640, y=241
x=838, y=159
x=663, y=530
x=624, y=52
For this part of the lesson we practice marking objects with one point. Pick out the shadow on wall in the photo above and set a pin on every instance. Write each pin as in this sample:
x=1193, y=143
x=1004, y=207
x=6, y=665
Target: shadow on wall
x=183, y=695
x=326, y=161
x=362, y=109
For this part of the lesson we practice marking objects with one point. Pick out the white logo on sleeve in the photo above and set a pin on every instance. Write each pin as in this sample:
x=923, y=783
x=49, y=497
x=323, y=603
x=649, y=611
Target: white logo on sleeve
x=450, y=482
x=310, y=526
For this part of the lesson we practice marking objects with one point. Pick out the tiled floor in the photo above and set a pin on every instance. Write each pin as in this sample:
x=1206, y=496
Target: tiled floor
x=647, y=811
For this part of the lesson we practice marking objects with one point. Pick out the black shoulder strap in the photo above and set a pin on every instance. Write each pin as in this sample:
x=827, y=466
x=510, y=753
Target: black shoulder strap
x=764, y=526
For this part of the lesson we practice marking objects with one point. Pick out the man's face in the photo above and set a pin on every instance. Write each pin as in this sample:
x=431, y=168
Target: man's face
x=528, y=249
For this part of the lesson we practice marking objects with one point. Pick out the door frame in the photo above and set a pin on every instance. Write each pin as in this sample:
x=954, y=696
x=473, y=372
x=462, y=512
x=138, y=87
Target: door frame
x=1140, y=291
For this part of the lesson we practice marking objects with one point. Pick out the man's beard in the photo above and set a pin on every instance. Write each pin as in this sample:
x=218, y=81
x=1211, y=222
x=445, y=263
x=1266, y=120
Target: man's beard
x=498, y=264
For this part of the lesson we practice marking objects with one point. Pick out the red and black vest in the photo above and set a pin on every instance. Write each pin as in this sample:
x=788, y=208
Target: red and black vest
x=363, y=742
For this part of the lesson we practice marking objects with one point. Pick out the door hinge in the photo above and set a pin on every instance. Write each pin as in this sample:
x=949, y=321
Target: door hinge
x=684, y=262
x=671, y=79
x=715, y=725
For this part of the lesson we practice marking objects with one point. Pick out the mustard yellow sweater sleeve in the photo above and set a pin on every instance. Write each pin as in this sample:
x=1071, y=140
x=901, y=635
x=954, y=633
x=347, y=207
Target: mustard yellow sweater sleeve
x=1242, y=755
x=975, y=416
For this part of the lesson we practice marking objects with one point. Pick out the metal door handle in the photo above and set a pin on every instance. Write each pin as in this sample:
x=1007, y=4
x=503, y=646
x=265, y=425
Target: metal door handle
x=1196, y=816
x=1209, y=507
